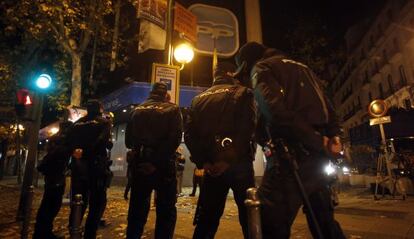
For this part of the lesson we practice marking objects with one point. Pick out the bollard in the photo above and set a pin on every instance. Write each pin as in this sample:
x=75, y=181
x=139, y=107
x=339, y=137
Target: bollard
x=75, y=229
x=253, y=214
x=27, y=213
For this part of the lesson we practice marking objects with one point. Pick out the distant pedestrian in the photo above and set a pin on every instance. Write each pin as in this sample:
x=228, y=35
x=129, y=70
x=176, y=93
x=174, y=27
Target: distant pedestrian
x=179, y=165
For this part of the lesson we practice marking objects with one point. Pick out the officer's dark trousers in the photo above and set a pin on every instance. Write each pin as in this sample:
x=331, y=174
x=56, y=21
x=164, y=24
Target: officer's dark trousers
x=93, y=192
x=213, y=196
x=281, y=200
x=49, y=208
x=139, y=205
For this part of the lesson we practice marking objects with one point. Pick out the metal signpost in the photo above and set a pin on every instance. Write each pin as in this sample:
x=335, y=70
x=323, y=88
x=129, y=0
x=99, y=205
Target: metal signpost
x=378, y=109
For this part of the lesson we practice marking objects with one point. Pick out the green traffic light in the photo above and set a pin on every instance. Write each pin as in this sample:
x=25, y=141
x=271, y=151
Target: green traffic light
x=43, y=81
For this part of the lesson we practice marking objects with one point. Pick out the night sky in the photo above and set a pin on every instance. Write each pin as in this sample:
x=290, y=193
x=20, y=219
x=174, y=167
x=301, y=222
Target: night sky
x=279, y=16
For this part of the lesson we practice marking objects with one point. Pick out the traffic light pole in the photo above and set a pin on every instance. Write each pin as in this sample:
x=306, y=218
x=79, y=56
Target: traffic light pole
x=31, y=158
x=18, y=152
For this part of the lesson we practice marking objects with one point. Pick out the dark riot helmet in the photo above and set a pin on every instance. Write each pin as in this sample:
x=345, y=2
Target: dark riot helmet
x=94, y=108
x=245, y=59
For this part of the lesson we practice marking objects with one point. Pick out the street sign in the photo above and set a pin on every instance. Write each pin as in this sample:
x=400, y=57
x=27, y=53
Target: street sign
x=185, y=22
x=380, y=120
x=153, y=11
x=216, y=28
x=169, y=75
x=377, y=108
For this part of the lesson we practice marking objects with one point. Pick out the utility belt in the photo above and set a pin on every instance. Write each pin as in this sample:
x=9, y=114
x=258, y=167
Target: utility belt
x=277, y=150
x=224, y=149
x=150, y=154
x=89, y=163
x=143, y=153
x=146, y=158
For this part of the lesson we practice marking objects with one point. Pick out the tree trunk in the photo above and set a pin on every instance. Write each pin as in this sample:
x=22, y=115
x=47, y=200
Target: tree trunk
x=75, y=99
x=115, y=39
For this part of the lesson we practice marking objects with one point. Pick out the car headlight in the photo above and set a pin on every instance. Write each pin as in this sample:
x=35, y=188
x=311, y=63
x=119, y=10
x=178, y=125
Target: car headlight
x=345, y=170
x=329, y=169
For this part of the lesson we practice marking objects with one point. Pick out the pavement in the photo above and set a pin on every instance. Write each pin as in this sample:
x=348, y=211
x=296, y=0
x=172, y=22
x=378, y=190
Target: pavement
x=359, y=215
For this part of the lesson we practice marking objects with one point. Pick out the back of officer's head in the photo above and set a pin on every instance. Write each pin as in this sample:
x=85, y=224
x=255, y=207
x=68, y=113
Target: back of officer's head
x=159, y=90
x=249, y=54
x=223, y=71
x=94, y=108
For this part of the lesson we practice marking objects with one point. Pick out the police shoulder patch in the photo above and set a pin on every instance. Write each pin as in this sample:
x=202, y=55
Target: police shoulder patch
x=149, y=107
x=213, y=92
x=294, y=62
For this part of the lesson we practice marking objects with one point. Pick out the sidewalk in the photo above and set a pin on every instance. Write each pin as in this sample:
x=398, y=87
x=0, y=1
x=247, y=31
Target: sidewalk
x=359, y=215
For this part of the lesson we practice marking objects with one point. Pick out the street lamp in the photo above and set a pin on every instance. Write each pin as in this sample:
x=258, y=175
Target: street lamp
x=183, y=54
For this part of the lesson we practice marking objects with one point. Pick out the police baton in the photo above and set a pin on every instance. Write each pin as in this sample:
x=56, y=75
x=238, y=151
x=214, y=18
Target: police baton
x=294, y=167
x=75, y=229
x=254, y=223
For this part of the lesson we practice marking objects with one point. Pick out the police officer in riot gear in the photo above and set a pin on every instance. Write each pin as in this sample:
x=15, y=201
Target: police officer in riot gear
x=153, y=133
x=295, y=111
x=90, y=139
x=219, y=132
x=53, y=167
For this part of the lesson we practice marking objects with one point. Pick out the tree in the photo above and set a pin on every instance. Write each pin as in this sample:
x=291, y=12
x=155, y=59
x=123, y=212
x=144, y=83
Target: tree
x=71, y=24
x=309, y=41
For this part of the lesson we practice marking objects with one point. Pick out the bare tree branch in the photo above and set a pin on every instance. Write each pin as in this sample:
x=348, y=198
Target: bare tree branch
x=91, y=24
x=62, y=40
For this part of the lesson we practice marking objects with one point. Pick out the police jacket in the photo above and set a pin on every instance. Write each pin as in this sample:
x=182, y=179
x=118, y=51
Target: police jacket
x=224, y=110
x=55, y=162
x=156, y=126
x=291, y=101
x=92, y=134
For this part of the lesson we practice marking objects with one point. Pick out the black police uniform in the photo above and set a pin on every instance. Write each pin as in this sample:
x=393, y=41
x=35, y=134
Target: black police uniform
x=226, y=110
x=90, y=173
x=294, y=108
x=53, y=167
x=153, y=133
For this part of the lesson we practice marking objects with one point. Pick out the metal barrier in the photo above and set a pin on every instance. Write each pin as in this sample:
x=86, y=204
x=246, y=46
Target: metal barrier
x=27, y=213
x=76, y=229
x=253, y=214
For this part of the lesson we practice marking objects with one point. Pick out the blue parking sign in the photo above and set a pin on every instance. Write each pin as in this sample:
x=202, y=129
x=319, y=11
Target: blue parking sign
x=216, y=25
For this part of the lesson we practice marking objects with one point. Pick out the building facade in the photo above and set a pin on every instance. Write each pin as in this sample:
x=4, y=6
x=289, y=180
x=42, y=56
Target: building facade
x=380, y=65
